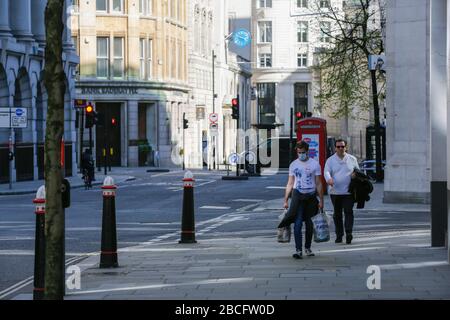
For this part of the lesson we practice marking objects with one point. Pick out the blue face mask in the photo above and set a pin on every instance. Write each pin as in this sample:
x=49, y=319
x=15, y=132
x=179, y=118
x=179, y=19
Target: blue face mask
x=302, y=156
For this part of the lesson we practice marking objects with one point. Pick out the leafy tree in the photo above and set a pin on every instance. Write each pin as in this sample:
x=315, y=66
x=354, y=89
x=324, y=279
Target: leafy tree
x=342, y=64
x=54, y=81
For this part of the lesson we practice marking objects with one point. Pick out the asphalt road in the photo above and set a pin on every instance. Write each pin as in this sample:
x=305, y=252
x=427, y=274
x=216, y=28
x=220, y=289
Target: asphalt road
x=146, y=208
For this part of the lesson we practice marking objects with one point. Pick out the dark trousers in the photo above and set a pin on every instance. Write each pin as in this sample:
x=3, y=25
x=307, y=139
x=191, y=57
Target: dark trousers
x=342, y=202
x=306, y=207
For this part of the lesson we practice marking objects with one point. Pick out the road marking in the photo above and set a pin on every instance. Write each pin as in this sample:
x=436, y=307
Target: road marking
x=275, y=187
x=215, y=208
x=247, y=200
x=26, y=282
x=196, y=185
x=164, y=285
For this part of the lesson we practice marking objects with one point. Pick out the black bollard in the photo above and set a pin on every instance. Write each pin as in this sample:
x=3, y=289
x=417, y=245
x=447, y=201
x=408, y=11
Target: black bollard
x=187, y=220
x=108, y=257
x=39, y=245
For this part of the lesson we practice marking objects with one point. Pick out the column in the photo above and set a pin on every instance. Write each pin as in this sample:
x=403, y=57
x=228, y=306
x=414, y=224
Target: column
x=448, y=129
x=407, y=171
x=438, y=112
x=133, y=156
x=5, y=30
x=38, y=20
x=20, y=19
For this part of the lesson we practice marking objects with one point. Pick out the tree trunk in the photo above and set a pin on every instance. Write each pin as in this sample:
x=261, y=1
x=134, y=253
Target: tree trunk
x=54, y=81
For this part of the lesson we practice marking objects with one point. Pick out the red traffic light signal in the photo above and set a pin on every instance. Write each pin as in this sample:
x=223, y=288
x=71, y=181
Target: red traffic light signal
x=89, y=108
x=298, y=115
x=113, y=121
x=235, y=108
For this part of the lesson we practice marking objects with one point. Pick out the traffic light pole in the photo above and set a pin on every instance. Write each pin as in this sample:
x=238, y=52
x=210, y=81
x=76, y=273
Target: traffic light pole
x=237, y=144
x=184, y=134
x=376, y=111
x=290, y=134
x=214, y=108
x=81, y=136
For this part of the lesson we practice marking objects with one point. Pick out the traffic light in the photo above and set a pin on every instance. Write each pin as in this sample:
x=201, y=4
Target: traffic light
x=235, y=108
x=185, y=124
x=90, y=116
x=113, y=122
x=298, y=115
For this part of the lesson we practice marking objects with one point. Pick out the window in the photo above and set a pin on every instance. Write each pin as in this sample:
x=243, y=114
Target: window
x=266, y=102
x=173, y=9
x=150, y=59
x=324, y=3
x=301, y=97
x=302, y=60
x=102, y=5
x=118, y=58
x=102, y=58
x=265, y=31
x=265, y=60
x=76, y=5
x=302, y=31
x=265, y=3
x=142, y=58
x=117, y=5
x=302, y=3
x=325, y=29
x=145, y=7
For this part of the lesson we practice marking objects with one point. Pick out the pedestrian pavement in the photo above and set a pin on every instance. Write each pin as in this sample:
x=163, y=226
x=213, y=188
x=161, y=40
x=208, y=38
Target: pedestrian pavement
x=119, y=174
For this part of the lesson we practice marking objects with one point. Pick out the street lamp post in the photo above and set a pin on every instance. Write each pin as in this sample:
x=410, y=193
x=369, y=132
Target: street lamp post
x=214, y=108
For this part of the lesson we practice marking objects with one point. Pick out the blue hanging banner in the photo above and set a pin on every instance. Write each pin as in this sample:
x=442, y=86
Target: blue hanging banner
x=242, y=38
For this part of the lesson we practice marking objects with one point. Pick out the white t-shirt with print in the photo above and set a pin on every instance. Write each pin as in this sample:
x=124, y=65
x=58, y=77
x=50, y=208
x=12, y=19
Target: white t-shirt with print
x=305, y=173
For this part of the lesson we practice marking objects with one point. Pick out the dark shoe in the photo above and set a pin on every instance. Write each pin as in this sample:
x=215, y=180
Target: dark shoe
x=309, y=253
x=297, y=255
x=348, y=238
x=338, y=240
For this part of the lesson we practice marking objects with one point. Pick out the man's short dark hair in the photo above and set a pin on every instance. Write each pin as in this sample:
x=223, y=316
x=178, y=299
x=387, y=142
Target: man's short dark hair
x=302, y=145
x=340, y=140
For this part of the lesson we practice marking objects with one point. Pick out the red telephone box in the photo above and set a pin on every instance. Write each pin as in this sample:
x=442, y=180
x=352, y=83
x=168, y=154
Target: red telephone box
x=314, y=132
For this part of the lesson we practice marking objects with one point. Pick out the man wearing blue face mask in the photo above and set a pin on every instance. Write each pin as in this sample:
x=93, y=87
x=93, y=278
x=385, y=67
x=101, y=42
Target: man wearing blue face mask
x=305, y=184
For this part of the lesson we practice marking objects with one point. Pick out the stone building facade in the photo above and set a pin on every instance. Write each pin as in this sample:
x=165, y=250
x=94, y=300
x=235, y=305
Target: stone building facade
x=133, y=68
x=287, y=35
x=22, y=45
x=210, y=32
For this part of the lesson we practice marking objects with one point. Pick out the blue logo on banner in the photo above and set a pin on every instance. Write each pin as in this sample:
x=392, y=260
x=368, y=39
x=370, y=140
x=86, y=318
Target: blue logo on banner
x=313, y=144
x=19, y=112
x=241, y=38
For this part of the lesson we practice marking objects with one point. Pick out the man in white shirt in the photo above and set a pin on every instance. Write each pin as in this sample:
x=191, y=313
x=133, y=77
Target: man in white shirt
x=338, y=174
x=305, y=184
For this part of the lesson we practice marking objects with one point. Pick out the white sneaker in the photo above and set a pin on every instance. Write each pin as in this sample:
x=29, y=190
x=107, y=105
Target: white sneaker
x=297, y=255
x=309, y=253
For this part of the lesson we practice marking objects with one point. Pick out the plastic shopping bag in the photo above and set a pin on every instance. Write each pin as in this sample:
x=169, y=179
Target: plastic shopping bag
x=321, y=227
x=284, y=234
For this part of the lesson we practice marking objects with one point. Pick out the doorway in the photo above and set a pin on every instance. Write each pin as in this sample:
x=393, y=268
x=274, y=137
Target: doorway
x=107, y=137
